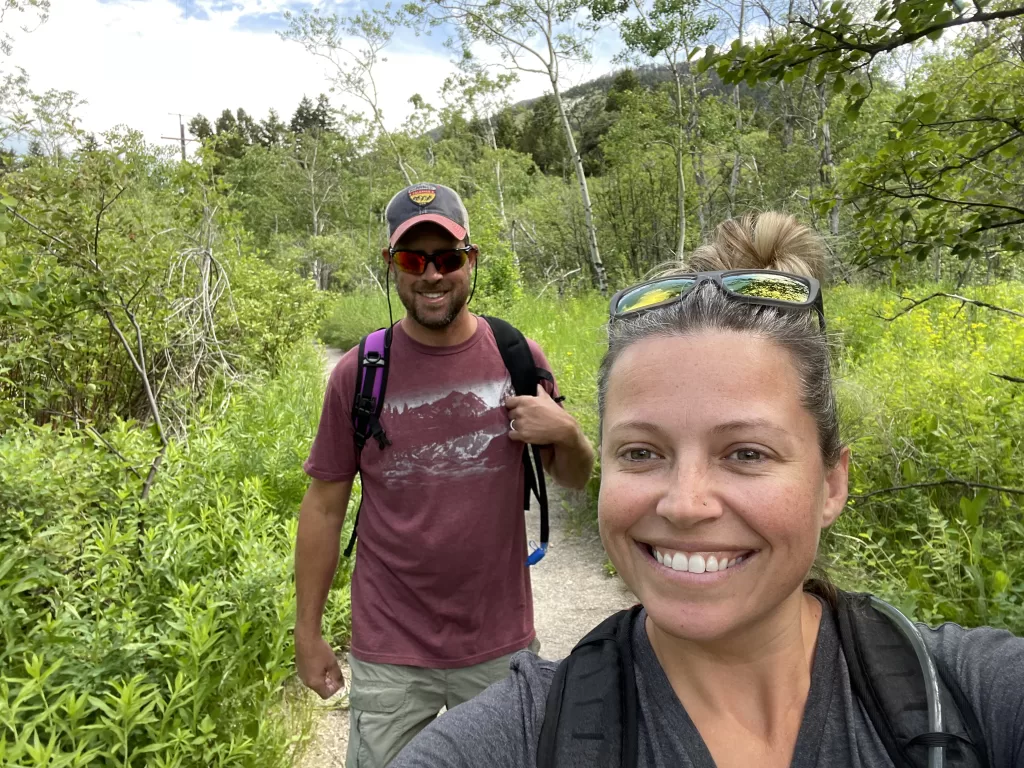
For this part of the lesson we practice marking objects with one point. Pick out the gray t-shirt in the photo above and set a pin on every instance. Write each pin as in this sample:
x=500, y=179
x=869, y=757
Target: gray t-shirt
x=500, y=728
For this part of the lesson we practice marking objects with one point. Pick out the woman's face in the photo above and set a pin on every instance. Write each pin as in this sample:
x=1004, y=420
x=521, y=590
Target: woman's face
x=713, y=489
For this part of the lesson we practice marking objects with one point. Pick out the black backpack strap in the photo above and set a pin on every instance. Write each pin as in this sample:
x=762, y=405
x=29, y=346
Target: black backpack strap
x=911, y=707
x=546, y=375
x=592, y=711
x=371, y=384
x=525, y=375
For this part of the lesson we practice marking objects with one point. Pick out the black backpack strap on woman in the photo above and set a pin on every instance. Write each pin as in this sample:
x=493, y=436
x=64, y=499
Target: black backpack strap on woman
x=592, y=709
x=922, y=719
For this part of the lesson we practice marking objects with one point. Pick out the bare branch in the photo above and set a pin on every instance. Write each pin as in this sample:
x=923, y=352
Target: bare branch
x=963, y=299
x=936, y=484
x=1006, y=377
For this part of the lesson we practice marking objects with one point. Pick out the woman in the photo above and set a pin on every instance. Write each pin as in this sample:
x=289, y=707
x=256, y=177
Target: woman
x=721, y=463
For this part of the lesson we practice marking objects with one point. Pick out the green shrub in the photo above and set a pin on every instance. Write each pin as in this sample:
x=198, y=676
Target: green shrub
x=156, y=633
x=202, y=302
x=921, y=406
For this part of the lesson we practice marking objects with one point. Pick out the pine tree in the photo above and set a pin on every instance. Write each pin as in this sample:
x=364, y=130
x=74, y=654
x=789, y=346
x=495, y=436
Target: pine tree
x=303, y=121
x=272, y=131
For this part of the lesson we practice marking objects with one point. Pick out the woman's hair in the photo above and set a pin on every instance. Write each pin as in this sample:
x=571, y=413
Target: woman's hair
x=757, y=241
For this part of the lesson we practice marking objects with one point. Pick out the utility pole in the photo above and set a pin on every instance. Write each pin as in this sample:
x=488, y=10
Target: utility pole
x=181, y=138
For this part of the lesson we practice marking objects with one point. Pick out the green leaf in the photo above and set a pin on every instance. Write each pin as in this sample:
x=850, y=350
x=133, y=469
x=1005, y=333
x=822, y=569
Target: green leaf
x=971, y=508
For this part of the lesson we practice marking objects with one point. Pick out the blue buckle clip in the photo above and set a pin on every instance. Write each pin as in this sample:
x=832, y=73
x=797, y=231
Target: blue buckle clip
x=538, y=553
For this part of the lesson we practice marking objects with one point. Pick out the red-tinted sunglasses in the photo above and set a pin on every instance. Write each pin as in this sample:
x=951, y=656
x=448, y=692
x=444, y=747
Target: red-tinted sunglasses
x=445, y=262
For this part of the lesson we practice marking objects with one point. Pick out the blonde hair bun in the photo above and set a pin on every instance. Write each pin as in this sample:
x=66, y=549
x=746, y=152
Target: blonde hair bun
x=769, y=240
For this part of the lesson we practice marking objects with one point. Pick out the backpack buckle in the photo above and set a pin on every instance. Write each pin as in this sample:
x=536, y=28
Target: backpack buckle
x=378, y=434
x=373, y=359
x=364, y=405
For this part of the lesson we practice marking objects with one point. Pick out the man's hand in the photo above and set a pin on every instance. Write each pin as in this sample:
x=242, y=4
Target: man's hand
x=317, y=665
x=539, y=420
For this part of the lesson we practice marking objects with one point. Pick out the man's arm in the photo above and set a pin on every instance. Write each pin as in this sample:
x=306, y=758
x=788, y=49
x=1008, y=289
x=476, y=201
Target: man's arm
x=570, y=462
x=317, y=545
x=567, y=454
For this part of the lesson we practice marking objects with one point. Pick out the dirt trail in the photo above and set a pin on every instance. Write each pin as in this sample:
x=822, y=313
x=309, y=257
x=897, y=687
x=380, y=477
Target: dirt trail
x=571, y=594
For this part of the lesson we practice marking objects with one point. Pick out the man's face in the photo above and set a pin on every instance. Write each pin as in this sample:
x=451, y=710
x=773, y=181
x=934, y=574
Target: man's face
x=433, y=300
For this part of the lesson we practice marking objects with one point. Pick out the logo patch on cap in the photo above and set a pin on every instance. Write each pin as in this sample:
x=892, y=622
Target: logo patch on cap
x=423, y=195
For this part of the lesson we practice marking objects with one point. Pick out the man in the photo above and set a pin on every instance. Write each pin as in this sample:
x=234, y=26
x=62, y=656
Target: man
x=441, y=592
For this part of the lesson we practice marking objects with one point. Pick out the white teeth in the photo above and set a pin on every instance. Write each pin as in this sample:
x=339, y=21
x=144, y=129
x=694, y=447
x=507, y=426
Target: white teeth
x=680, y=561
x=433, y=295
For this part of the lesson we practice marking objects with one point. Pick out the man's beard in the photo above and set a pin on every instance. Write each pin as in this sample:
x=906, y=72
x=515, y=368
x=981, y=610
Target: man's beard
x=456, y=300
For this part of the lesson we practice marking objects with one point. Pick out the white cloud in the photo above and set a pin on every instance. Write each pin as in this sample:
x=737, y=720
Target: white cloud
x=135, y=61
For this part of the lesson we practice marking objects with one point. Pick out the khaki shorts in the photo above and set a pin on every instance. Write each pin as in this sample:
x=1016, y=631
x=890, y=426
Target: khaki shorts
x=389, y=704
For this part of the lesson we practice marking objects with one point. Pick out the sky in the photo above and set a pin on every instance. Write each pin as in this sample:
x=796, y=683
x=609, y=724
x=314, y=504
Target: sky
x=141, y=62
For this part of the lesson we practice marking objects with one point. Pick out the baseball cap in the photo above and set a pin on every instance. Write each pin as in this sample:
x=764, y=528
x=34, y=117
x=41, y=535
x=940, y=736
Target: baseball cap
x=427, y=202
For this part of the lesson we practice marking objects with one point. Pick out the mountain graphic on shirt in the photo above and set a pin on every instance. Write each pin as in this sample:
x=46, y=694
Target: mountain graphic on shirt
x=456, y=435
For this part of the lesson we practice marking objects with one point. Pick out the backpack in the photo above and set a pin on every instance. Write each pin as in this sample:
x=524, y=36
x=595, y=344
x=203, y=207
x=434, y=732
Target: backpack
x=371, y=386
x=592, y=705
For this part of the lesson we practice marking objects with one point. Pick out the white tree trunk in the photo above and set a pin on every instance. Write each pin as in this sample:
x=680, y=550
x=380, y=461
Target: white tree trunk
x=680, y=175
x=600, y=277
x=737, y=161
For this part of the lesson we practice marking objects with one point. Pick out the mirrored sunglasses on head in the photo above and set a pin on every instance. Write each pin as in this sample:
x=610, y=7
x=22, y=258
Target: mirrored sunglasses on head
x=751, y=286
x=445, y=262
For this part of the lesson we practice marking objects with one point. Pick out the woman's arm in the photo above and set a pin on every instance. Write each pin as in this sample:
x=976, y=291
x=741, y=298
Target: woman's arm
x=497, y=729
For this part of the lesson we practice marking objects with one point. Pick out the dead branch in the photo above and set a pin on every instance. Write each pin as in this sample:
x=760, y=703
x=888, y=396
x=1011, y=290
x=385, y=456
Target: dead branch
x=374, y=278
x=1005, y=377
x=139, y=364
x=557, y=279
x=935, y=484
x=915, y=303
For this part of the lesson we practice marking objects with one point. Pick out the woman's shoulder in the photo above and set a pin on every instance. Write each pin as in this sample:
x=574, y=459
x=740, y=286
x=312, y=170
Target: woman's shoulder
x=498, y=728
x=987, y=665
x=965, y=652
x=529, y=682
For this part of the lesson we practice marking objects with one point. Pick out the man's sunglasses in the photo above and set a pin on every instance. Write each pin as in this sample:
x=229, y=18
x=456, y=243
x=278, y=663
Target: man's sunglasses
x=750, y=286
x=445, y=262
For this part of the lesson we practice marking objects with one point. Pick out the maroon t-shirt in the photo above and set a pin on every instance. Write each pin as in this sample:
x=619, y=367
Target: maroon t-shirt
x=441, y=579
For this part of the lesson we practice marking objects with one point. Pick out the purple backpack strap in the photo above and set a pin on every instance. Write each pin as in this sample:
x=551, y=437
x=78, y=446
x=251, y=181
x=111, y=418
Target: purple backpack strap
x=371, y=383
